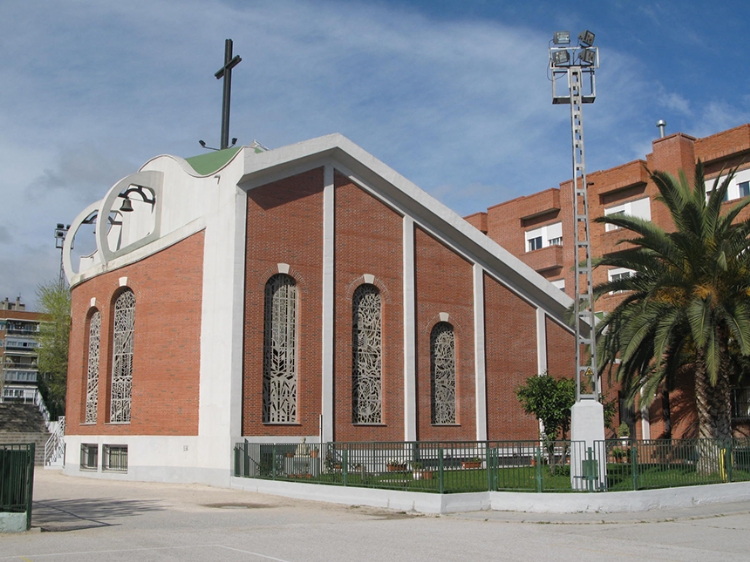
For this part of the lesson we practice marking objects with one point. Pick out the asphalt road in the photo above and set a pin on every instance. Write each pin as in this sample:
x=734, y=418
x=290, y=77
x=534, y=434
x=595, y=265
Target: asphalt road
x=82, y=520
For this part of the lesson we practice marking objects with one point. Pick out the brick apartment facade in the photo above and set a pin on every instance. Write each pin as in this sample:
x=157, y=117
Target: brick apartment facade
x=538, y=229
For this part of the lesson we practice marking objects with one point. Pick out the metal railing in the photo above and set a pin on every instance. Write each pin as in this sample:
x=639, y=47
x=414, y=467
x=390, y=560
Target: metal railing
x=471, y=466
x=17, y=479
x=440, y=467
x=669, y=463
x=54, y=448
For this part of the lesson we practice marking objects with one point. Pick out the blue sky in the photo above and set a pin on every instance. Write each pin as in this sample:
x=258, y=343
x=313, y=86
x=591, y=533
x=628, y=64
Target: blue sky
x=453, y=95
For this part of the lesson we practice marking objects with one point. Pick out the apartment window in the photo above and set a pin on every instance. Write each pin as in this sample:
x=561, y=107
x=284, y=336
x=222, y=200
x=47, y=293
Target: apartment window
x=89, y=456
x=280, y=351
x=617, y=274
x=115, y=458
x=443, y=373
x=744, y=188
x=640, y=208
x=535, y=243
x=544, y=236
x=367, y=355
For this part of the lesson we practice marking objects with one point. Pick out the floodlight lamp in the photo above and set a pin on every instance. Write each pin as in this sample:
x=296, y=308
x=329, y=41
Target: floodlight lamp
x=586, y=38
x=587, y=56
x=560, y=57
x=561, y=38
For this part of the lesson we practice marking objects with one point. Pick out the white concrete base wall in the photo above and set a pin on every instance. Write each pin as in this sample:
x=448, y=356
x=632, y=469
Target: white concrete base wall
x=180, y=459
x=12, y=522
x=607, y=502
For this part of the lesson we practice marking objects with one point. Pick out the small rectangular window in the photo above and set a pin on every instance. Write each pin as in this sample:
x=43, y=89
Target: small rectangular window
x=555, y=241
x=115, y=458
x=89, y=456
x=744, y=188
x=535, y=243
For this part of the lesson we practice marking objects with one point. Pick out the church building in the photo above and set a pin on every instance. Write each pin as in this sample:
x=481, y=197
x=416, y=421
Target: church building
x=308, y=291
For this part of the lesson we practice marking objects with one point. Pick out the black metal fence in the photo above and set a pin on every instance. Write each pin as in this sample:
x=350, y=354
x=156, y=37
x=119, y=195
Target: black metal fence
x=17, y=479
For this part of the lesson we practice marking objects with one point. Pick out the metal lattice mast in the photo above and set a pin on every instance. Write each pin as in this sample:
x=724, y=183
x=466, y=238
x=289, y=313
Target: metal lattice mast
x=576, y=63
x=587, y=380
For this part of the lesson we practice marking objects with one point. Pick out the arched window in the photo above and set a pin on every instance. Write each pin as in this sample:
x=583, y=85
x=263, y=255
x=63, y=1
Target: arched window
x=367, y=363
x=280, y=351
x=443, y=373
x=92, y=377
x=122, y=357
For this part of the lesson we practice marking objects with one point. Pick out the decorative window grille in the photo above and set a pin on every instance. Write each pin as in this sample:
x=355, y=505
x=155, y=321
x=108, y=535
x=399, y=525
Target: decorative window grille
x=367, y=363
x=89, y=456
x=122, y=362
x=92, y=384
x=443, y=373
x=280, y=351
x=115, y=458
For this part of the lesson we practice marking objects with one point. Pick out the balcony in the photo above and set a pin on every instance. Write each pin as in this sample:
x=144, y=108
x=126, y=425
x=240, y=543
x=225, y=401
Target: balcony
x=621, y=178
x=544, y=259
x=540, y=204
x=20, y=376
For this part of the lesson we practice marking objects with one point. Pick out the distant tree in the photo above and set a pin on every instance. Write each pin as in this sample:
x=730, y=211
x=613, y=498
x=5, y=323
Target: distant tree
x=54, y=334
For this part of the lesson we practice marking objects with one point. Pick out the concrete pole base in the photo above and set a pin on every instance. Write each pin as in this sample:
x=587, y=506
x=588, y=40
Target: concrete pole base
x=586, y=429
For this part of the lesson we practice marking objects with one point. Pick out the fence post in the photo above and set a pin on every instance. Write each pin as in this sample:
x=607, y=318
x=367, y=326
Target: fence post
x=273, y=461
x=538, y=468
x=345, y=465
x=30, y=483
x=489, y=469
x=441, y=480
x=728, y=460
x=246, y=458
x=634, y=464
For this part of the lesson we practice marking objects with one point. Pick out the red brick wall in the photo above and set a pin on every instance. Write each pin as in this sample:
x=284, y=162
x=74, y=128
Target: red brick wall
x=444, y=283
x=369, y=240
x=510, y=343
x=561, y=352
x=284, y=225
x=166, y=362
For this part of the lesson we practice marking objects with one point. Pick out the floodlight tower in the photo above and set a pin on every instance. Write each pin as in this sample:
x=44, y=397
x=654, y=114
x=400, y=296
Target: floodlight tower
x=577, y=63
x=61, y=231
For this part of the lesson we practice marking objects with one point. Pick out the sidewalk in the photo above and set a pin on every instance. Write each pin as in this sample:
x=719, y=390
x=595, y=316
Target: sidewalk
x=86, y=519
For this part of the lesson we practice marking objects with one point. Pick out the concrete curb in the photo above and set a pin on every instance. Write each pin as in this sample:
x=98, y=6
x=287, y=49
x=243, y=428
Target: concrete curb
x=420, y=502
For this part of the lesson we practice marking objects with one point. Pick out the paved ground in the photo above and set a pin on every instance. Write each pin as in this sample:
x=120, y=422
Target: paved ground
x=89, y=520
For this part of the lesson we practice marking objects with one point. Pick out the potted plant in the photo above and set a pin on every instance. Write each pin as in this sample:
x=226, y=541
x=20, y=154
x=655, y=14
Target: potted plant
x=419, y=473
x=623, y=432
x=395, y=465
x=618, y=454
x=473, y=462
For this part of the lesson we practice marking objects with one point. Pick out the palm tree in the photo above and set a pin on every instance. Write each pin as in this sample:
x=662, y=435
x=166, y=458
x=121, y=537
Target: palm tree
x=686, y=302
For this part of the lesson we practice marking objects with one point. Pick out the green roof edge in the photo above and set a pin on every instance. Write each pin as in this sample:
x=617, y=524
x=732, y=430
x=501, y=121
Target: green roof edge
x=213, y=161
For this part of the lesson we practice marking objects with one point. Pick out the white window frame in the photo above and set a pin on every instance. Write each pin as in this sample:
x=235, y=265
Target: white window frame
x=550, y=234
x=618, y=273
x=734, y=192
x=640, y=208
x=559, y=283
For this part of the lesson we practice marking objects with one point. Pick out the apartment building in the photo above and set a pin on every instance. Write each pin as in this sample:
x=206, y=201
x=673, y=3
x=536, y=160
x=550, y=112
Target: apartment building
x=538, y=229
x=19, y=332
